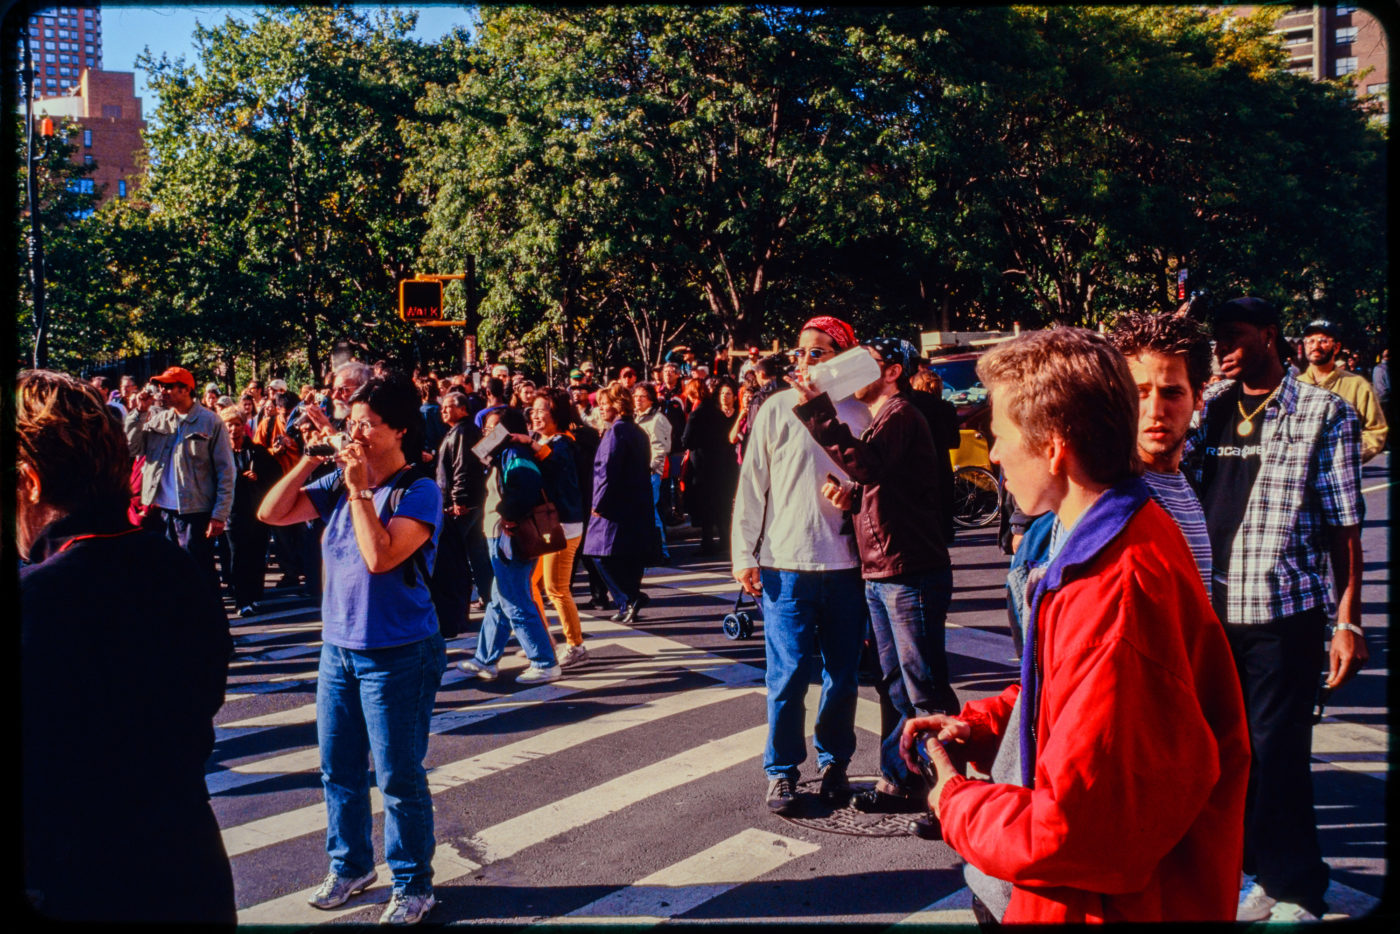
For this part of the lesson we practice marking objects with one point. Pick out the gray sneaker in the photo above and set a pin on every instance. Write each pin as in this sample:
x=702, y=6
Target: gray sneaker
x=336, y=889
x=407, y=909
x=573, y=655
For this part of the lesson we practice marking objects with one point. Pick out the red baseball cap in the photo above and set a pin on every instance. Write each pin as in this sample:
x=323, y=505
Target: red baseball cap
x=176, y=374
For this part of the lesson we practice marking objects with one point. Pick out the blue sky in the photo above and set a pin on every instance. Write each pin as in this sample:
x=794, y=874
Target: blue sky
x=168, y=28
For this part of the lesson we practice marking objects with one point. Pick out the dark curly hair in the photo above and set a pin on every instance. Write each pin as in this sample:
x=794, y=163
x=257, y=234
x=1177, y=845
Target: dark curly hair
x=1136, y=332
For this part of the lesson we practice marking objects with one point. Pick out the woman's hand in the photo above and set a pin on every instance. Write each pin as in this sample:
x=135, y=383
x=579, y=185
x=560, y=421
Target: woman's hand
x=356, y=467
x=837, y=495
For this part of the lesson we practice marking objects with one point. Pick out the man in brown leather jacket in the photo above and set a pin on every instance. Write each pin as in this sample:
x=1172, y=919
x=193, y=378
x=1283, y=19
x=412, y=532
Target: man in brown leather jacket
x=908, y=575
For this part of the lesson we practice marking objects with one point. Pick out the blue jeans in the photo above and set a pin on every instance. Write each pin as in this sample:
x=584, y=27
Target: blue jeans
x=803, y=610
x=513, y=609
x=379, y=702
x=908, y=613
x=656, y=513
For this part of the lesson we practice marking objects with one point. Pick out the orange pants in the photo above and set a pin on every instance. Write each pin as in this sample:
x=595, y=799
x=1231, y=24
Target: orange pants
x=554, y=571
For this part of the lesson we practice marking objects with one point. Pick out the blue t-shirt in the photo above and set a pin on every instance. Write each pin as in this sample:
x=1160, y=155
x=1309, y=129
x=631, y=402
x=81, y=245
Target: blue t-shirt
x=361, y=610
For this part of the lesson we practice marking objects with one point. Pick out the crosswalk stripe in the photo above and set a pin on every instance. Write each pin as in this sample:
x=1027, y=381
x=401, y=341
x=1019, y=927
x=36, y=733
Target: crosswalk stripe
x=952, y=909
x=561, y=816
x=692, y=881
x=292, y=909
x=288, y=825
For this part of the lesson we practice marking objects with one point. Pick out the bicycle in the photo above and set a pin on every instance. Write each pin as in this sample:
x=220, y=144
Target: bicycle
x=976, y=489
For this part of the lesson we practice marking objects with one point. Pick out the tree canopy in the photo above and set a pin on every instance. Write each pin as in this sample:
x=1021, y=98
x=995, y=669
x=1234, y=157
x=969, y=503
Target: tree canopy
x=627, y=178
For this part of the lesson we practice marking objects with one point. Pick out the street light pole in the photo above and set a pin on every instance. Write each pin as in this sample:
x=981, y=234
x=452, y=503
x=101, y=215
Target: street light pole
x=36, y=230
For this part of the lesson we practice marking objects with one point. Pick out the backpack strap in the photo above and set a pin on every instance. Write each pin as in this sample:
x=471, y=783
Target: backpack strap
x=417, y=564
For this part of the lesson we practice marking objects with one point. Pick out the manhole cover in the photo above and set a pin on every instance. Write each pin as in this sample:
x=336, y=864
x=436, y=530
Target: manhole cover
x=819, y=815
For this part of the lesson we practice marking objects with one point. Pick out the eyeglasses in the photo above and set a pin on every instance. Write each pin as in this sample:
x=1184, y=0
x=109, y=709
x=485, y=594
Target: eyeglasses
x=811, y=353
x=354, y=424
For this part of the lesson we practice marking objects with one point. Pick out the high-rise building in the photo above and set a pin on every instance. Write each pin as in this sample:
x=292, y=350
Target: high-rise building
x=1333, y=41
x=64, y=40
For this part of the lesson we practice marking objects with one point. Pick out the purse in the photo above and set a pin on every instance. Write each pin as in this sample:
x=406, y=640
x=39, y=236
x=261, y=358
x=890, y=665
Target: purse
x=539, y=532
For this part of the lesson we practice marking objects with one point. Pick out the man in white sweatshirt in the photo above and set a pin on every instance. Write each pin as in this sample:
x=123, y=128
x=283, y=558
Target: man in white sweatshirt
x=796, y=552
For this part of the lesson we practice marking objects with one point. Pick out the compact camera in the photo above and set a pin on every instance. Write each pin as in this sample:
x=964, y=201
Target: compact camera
x=329, y=448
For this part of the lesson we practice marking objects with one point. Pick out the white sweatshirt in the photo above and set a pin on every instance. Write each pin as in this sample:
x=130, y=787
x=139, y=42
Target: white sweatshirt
x=779, y=501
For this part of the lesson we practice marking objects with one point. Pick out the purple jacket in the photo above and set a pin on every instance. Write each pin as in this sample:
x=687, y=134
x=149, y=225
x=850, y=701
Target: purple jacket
x=624, y=525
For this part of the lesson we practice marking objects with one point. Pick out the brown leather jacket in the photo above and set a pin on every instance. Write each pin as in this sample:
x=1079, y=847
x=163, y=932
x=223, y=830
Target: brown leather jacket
x=896, y=510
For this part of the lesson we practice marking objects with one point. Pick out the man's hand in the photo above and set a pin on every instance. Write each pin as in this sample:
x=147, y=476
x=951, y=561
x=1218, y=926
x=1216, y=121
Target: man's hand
x=944, y=770
x=946, y=728
x=837, y=495
x=804, y=387
x=216, y=528
x=748, y=579
x=316, y=417
x=144, y=401
x=1347, y=657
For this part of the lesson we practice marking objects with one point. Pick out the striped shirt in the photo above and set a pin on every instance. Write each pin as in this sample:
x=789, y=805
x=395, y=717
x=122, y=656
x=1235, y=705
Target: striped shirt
x=1174, y=494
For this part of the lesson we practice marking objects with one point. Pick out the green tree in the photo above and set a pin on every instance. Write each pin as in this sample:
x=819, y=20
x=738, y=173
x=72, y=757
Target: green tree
x=276, y=182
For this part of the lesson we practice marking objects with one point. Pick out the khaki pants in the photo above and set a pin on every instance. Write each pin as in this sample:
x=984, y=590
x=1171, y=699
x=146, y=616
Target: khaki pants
x=555, y=571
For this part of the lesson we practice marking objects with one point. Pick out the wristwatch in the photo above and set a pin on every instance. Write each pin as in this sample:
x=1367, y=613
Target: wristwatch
x=362, y=494
x=1349, y=627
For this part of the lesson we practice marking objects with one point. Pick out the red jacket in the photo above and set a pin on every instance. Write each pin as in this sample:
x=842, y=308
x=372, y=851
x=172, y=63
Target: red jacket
x=1141, y=751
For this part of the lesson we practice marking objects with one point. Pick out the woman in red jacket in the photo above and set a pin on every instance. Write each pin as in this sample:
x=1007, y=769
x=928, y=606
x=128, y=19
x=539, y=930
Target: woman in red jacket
x=1119, y=762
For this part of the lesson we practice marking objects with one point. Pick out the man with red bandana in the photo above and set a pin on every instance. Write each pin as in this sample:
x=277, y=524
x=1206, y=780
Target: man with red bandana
x=795, y=551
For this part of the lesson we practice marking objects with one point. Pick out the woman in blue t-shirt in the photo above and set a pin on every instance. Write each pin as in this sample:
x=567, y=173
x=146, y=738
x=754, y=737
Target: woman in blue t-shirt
x=382, y=656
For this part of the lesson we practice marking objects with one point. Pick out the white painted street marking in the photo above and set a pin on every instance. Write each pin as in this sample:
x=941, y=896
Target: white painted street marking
x=693, y=881
x=288, y=825
x=951, y=909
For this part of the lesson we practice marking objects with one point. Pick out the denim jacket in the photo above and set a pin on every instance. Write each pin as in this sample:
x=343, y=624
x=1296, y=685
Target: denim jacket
x=204, y=471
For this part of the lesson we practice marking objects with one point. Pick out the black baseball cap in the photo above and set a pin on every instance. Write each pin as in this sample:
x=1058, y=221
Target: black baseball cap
x=1248, y=309
x=1323, y=326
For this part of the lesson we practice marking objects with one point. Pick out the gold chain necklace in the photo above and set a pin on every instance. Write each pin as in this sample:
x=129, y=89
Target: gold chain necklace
x=1246, y=428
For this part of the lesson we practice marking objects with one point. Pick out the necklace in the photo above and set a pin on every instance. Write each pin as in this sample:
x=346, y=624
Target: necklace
x=1246, y=428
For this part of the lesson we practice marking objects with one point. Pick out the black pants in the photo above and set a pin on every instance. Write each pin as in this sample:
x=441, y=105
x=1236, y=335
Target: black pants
x=247, y=544
x=478, y=556
x=1279, y=664
x=623, y=575
x=452, y=576
x=190, y=532
x=290, y=550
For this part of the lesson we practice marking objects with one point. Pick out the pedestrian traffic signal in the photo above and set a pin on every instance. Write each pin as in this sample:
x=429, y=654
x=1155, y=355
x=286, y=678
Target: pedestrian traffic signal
x=420, y=300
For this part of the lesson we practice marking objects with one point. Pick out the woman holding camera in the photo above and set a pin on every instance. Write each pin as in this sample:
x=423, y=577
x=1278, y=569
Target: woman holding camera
x=382, y=657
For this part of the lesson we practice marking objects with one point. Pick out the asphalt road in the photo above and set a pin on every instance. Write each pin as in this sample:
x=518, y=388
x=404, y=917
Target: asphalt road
x=632, y=788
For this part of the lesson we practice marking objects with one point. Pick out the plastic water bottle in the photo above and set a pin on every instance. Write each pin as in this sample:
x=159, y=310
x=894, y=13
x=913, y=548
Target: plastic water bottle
x=843, y=374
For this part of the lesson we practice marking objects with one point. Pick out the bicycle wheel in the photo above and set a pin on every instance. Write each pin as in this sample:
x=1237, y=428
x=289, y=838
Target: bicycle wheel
x=976, y=500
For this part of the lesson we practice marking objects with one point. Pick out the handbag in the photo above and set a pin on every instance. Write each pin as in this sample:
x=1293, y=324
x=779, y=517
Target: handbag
x=539, y=532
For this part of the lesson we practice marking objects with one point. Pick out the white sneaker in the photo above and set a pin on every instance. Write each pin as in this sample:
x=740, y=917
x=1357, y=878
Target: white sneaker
x=572, y=655
x=1288, y=911
x=1255, y=904
x=473, y=667
x=536, y=673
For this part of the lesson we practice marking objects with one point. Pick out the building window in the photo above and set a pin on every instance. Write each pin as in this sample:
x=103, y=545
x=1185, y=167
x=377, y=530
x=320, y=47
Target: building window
x=87, y=158
x=1298, y=38
x=89, y=63
x=1374, y=89
x=1346, y=35
x=121, y=188
x=87, y=49
x=1345, y=8
x=48, y=33
x=68, y=72
x=87, y=138
x=50, y=57
x=1345, y=66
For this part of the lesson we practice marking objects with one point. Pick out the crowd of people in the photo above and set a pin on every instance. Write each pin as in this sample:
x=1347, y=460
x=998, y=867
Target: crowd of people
x=1186, y=541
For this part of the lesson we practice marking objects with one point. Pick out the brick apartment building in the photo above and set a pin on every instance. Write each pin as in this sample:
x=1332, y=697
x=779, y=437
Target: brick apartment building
x=64, y=40
x=104, y=104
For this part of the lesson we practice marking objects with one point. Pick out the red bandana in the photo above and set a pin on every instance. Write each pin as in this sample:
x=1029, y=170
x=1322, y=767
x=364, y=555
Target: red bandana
x=839, y=331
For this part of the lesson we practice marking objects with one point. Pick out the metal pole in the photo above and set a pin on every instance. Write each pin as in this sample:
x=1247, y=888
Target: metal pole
x=36, y=230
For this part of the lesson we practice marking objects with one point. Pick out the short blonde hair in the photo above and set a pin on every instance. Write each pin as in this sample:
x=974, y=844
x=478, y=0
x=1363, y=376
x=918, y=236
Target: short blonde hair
x=620, y=396
x=1070, y=382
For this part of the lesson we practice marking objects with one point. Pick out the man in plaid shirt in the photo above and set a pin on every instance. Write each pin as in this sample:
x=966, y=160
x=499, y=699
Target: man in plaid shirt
x=1277, y=464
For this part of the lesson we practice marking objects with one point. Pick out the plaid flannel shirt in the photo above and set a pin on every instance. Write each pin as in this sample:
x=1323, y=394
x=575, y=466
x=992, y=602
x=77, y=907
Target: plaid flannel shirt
x=1308, y=483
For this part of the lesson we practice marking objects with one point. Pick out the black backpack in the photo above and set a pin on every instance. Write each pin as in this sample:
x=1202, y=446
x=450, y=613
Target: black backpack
x=675, y=414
